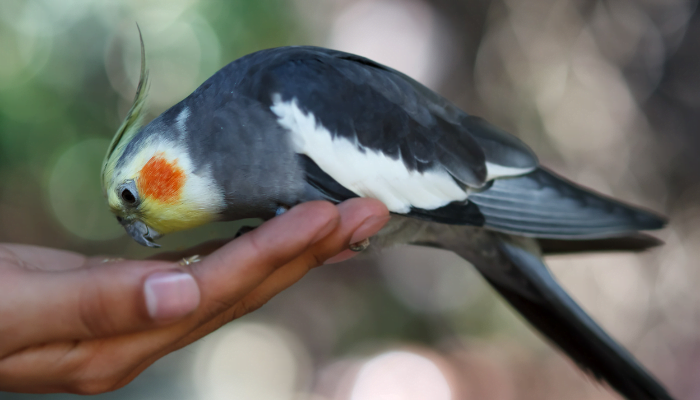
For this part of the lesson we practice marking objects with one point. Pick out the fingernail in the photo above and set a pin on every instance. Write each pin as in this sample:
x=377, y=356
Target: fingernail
x=170, y=295
x=369, y=227
x=332, y=224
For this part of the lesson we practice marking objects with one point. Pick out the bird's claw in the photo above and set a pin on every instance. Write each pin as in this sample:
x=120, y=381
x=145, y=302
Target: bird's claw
x=190, y=260
x=360, y=246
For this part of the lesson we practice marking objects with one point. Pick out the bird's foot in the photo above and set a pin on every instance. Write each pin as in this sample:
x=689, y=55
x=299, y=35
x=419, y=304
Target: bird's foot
x=281, y=210
x=190, y=260
x=360, y=246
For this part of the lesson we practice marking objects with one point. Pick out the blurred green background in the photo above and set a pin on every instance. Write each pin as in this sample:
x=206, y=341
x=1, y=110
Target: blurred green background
x=607, y=93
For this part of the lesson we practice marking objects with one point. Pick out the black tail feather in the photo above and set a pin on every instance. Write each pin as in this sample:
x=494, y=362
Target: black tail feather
x=525, y=282
x=634, y=242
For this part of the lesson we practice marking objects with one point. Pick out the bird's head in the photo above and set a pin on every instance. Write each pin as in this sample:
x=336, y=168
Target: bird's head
x=149, y=179
x=154, y=191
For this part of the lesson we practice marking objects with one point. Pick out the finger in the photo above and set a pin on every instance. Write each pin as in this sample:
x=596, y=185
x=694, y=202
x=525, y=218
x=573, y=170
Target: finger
x=364, y=217
x=40, y=258
x=359, y=219
x=234, y=270
x=42, y=306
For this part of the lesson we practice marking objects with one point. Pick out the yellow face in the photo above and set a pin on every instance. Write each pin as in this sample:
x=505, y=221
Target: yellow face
x=156, y=194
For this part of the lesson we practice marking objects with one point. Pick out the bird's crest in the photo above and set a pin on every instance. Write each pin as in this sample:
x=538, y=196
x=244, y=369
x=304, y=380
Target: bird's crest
x=132, y=123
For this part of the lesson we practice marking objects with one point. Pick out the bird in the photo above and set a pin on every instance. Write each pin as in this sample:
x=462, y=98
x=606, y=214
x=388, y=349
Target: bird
x=287, y=125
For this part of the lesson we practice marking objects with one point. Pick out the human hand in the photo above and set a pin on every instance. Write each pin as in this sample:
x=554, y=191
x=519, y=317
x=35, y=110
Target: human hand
x=69, y=323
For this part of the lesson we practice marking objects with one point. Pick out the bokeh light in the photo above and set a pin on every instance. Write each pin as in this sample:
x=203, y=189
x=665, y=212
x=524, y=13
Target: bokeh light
x=403, y=34
x=249, y=361
x=75, y=194
x=400, y=375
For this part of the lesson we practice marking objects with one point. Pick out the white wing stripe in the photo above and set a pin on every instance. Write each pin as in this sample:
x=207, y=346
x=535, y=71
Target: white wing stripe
x=369, y=173
x=497, y=171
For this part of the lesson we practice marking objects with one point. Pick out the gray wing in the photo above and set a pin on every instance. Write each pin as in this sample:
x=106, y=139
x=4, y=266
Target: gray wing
x=377, y=110
x=381, y=110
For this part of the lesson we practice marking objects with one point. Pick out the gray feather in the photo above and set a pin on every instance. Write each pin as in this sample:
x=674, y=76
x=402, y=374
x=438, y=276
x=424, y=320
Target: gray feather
x=544, y=205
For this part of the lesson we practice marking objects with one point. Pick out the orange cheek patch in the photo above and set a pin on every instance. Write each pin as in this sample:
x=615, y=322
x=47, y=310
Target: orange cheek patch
x=161, y=180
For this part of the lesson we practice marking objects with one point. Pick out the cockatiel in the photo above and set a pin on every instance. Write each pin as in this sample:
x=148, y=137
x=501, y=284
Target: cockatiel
x=287, y=125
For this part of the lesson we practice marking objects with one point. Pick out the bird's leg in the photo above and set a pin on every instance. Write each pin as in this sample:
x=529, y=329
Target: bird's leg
x=281, y=210
x=360, y=246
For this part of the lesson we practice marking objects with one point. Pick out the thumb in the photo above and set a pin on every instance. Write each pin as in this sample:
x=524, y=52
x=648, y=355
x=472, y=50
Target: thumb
x=117, y=298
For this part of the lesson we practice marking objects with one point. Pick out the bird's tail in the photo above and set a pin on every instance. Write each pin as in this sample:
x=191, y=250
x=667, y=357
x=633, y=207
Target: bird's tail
x=632, y=242
x=525, y=282
x=542, y=204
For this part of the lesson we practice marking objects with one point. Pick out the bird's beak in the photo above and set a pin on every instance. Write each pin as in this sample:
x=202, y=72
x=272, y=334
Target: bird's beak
x=141, y=233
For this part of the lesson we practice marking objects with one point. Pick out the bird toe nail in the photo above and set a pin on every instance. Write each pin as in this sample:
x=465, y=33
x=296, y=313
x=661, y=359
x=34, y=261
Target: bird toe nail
x=360, y=246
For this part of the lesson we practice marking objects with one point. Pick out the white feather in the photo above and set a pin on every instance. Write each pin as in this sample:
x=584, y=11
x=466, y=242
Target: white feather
x=181, y=121
x=498, y=171
x=364, y=171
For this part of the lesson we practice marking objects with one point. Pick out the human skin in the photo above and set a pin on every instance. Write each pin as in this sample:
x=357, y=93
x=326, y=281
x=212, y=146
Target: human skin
x=71, y=323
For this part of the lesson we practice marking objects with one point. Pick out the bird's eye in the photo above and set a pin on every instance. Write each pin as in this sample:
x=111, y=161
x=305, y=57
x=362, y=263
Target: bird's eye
x=128, y=197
